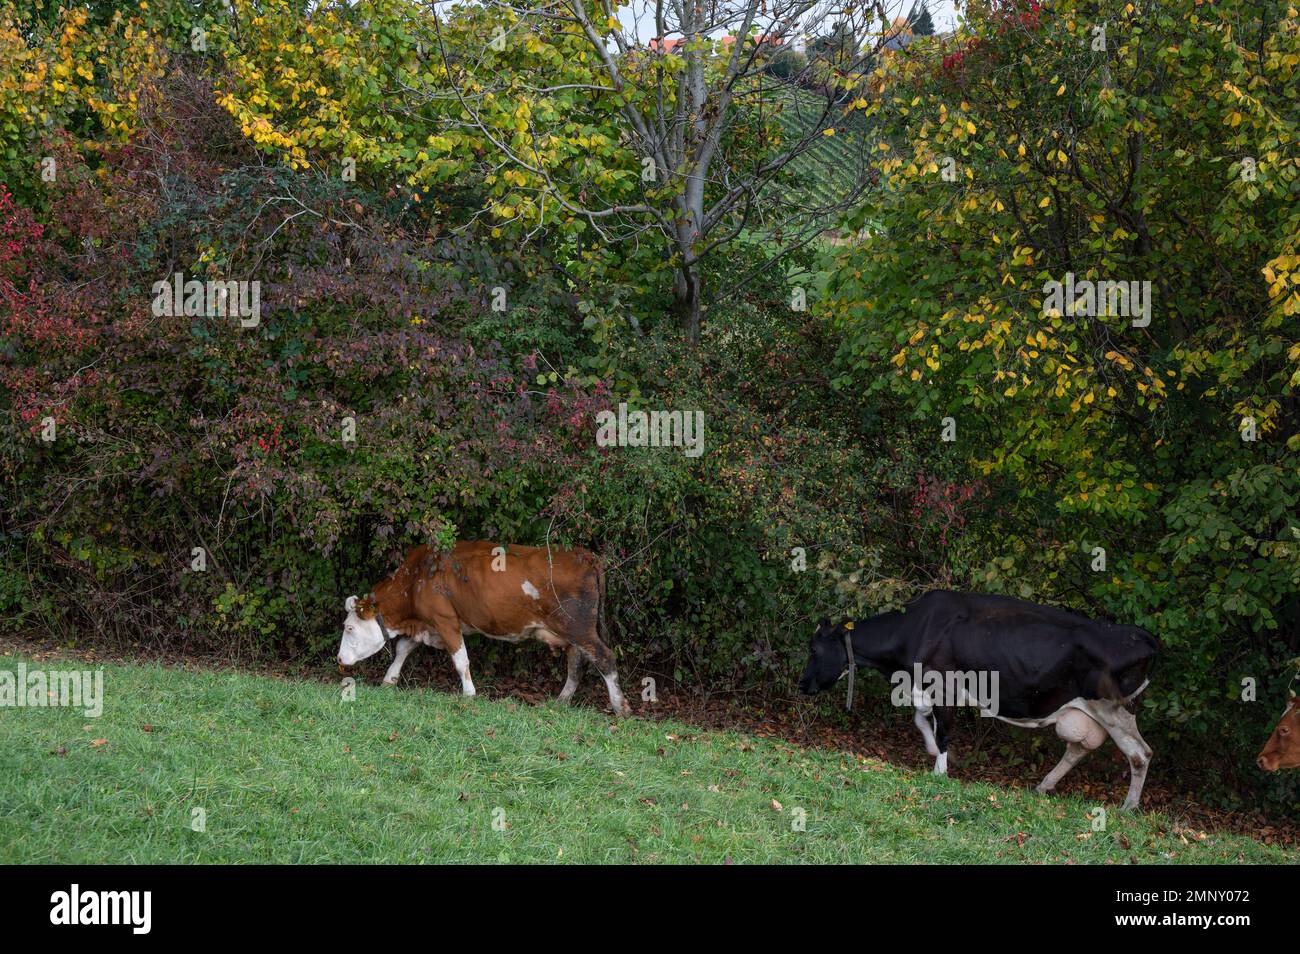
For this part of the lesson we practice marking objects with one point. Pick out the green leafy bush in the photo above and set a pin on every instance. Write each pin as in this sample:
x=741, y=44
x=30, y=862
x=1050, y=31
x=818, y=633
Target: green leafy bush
x=1171, y=444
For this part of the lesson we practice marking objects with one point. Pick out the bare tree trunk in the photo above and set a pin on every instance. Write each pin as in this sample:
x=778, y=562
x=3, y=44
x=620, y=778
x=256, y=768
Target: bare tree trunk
x=686, y=277
x=686, y=300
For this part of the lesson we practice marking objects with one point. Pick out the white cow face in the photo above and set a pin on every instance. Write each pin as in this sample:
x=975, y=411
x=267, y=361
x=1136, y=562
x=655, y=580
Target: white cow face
x=362, y=638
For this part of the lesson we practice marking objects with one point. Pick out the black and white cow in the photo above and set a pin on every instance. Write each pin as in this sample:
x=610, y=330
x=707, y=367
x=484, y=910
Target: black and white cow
x=1048, y=666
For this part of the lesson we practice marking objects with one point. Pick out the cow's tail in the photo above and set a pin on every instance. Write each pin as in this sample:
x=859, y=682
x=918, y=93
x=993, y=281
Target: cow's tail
x=1129, y=682
x=1149, y=667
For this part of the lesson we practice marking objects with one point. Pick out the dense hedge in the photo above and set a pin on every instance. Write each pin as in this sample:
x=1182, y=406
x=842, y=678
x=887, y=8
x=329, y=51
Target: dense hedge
x=176, y=433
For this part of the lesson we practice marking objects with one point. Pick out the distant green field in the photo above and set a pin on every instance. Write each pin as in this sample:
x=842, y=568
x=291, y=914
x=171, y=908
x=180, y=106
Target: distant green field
x=288, y=771
x=827, y=171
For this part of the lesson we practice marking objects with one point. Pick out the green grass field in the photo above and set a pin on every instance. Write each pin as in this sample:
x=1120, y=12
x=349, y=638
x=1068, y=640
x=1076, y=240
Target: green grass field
x=288, y=771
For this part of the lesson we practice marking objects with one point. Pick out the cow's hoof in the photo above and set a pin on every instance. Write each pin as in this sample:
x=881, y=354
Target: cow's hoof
x=390, y=682
x=564, y=700
x=1044, y=791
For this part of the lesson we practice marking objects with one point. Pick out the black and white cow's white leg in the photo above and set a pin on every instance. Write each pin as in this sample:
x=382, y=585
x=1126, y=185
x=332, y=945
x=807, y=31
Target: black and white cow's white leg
x=1074, y=752
x=574, y=657
x=924, y=709
x=1122, y=726
x=404, y=646
x=943, y=720
x=1081, y=735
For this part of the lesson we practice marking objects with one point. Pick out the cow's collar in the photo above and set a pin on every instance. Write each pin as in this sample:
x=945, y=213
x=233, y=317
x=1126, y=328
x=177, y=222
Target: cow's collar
x=388, y=637
x=851, y=663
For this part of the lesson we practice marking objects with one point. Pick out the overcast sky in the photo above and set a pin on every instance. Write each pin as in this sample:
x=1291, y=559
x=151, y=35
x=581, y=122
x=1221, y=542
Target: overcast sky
x=942, y=12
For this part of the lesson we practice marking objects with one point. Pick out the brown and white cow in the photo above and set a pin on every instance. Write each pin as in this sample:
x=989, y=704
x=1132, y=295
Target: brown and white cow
x=510, y=593
x=1282, y=751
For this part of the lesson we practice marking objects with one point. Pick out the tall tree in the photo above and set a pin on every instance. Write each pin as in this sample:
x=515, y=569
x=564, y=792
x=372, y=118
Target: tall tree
x=690, y=94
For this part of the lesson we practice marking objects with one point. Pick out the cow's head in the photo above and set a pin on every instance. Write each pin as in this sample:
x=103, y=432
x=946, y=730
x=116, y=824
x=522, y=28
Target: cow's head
x=828, y=660
x=1283, y=748
x=362, y=635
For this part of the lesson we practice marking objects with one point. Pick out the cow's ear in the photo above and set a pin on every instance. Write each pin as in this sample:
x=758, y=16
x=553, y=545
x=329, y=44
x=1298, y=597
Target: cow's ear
x=350, y=603
x=823, y=624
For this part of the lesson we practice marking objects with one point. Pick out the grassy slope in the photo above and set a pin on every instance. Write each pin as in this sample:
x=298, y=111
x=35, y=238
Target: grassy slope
x=828, y=170
x=288, y=772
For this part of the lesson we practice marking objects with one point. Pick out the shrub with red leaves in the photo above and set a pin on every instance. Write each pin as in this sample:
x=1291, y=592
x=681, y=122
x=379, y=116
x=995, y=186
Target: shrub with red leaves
x=36, y=316
x=1004, y=15
x=937, y=505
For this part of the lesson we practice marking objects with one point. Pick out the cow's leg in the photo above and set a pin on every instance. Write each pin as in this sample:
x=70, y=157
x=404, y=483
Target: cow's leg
x=922, y=719
x=1073, y=753
x=404, y=646
x=574, y=658
x=1081, y=735
x=943, y=720
x=1139, y=760
x=603, y=659
x=460, y=659
x=1122, y=726
x=454, y=643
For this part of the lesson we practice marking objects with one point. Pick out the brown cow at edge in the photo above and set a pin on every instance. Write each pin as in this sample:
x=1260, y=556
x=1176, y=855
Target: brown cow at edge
x=555, y=596
x=1282, y=751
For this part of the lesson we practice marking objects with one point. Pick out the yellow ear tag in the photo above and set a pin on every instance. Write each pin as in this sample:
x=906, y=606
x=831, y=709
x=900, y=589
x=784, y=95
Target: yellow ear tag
x=849, y=624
